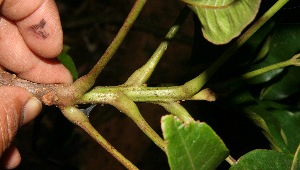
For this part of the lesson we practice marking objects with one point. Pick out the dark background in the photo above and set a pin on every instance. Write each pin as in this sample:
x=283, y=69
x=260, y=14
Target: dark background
x=51, y=142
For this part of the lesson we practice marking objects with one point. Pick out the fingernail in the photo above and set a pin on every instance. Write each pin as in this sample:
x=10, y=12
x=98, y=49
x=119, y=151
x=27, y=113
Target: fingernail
x=32, y=108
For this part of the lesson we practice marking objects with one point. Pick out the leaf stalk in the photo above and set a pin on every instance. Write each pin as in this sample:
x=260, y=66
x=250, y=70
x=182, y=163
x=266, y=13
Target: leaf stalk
x=293, y=61
x=77, y=117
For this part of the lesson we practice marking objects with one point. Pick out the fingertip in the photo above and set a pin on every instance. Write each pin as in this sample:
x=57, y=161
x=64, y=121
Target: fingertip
x=31, y=109
x=42, y=30
x=11, y=158
x=19, y=9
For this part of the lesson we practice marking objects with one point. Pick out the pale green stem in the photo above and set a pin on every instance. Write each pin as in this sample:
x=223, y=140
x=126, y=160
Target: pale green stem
x=86, y=82
x=269, y=68
x=137, y=94
x=176, y=109
x=169, y=94
x=230, y=160
x=158, y=95
x=140, y=76
x=128, y=107
x=197, y=83
x=77, y=117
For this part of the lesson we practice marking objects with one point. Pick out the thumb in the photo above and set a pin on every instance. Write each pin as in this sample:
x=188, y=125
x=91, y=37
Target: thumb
x=16, y=108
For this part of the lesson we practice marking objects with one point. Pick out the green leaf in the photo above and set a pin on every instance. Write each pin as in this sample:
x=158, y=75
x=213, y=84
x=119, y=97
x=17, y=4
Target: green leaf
x=223, y=20
x=296, y=160
x=192, y=146
x=68, y=62
x=284, y=44
x=264, y=159
x=281, y=127
x=288, y=85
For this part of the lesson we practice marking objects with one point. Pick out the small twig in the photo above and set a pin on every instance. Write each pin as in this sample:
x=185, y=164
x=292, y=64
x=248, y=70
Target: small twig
x=88, y=80
x=141, y=94
x=38, y=90
x=128, y=107
x=230, y=160
x=293, y=61
x=77, y=117
x=140, y=76
x=176, y=109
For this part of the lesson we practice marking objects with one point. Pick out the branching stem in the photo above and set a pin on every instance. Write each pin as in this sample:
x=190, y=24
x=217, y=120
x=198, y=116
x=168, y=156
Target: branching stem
x=127, y=106
x=140, y=76
x=86, y=82
x=123, y=97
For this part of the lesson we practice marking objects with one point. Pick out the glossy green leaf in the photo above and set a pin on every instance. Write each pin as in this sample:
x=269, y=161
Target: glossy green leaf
x=286, y=86
x=264, y=159
x=284, y=44
x=68, y=62
x=296, y=160
x=281, y=127
x=223, y=20
x=192, y=146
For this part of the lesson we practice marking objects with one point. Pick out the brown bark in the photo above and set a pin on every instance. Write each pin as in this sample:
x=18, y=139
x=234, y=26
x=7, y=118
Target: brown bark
x=44, y=92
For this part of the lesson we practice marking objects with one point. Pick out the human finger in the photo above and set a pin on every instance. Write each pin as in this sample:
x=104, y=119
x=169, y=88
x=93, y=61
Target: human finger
x=13, y=100
x=39, y=24
x=17, y=107
x=18, y=58
x=11, y=158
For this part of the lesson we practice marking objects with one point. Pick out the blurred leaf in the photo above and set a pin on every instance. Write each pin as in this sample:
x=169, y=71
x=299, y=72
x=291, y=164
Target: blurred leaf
x=281, y=127
x=264, y=50
x=260, y=37
x=284, y=43
x=223, y=20
x=68, y=62
x=288, y=85
x=192, y=146
x=296, y=160
x=264, y=159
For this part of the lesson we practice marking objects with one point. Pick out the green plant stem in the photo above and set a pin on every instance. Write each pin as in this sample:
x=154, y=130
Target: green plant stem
x=165, y=96
x=197, y=83
x=230, y=160
x=140, y=76
x=176, y=109
x=169, y=94
x=86, y=82
x=116, y=98
x=127, y=106
x=137, y=94
x=292, y=61
x=77, y=117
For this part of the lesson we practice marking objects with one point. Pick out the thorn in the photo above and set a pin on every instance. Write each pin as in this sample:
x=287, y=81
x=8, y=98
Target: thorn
x=88, y=110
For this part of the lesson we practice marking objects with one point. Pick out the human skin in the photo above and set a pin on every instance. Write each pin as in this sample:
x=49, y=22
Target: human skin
x=30, y=39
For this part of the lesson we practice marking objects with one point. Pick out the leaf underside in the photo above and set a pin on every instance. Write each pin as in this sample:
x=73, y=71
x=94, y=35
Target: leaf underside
x=223, y=20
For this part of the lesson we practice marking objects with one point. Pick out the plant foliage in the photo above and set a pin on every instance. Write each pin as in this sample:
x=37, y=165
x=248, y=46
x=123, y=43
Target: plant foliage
x=224, y=20
x=264, y=94
x=192, y=146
